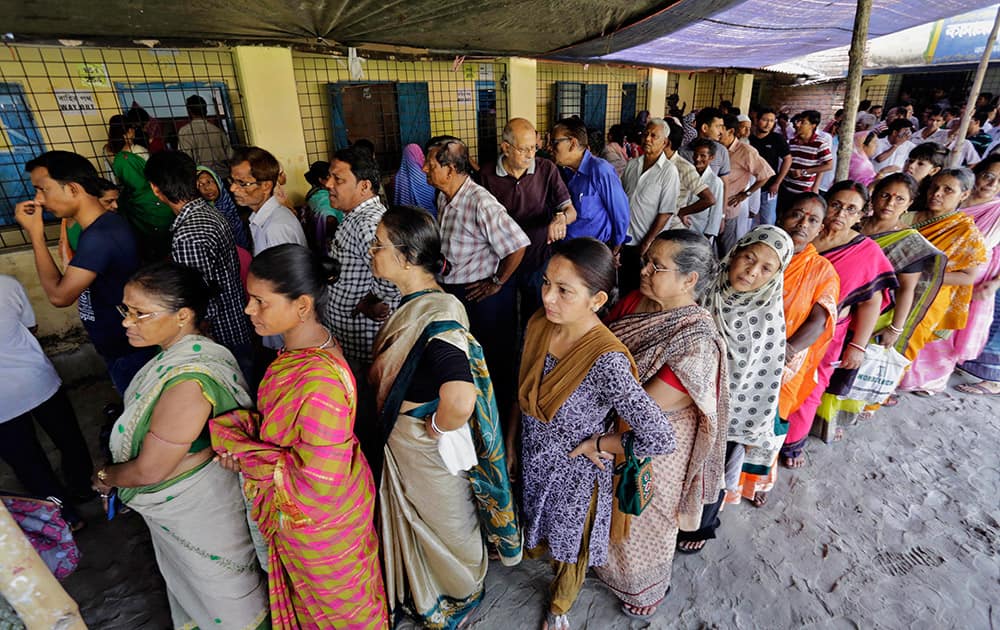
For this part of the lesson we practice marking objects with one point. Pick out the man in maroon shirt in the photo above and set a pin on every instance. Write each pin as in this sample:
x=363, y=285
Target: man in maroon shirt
x=534, y=194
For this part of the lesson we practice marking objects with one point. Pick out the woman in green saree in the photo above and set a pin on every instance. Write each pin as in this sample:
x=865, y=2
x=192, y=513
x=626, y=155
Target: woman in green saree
x=163, y=466
x=436, y=514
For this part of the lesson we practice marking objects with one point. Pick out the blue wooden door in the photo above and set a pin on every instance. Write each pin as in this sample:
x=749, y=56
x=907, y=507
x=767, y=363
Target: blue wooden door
x=595, y=106
x=414, y=110
x=629, y=93
x=22, y=142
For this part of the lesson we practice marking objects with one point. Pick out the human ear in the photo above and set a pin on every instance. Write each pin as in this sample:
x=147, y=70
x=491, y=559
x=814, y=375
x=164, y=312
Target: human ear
x=598, y=300
x=304, y=305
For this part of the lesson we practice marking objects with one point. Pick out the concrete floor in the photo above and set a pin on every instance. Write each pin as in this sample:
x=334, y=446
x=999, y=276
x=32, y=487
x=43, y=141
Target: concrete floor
x=898, y=526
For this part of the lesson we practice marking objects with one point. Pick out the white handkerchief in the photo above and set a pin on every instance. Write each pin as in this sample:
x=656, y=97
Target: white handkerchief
x=457, y=450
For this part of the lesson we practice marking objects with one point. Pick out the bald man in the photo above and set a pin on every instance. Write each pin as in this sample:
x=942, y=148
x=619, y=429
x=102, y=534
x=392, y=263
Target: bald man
x=534, y=194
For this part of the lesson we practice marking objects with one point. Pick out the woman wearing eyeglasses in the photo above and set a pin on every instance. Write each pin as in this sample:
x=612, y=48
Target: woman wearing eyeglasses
x=162, y=454
x=938, y=359
x=433, y=385
x=865, y=277
x=682, y=363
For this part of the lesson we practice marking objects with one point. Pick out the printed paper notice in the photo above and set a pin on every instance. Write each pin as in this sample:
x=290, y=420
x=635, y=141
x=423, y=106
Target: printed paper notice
x=464, y=95
x=73, y=102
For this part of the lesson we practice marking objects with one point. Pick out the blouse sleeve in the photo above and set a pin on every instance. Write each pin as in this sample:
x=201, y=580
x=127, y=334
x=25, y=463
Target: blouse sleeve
x=654, y=435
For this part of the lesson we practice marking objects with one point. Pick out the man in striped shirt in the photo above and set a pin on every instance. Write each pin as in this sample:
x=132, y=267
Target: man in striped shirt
x=811, y=157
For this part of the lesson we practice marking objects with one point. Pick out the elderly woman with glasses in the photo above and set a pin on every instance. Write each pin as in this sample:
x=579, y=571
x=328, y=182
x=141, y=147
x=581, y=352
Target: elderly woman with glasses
x=865, y=277
x=163, y=464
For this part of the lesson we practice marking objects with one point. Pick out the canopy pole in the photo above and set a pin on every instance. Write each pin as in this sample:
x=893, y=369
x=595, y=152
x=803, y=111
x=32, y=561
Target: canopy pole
x=852, y=96
x=970, y=103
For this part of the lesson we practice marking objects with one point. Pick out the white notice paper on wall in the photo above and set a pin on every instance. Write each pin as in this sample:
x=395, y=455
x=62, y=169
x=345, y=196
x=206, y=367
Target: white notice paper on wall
x=464, y=95
x=485, y=72
x=73, y=102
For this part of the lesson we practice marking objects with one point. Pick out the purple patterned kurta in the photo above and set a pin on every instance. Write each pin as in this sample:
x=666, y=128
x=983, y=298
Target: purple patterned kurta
x=557, y=489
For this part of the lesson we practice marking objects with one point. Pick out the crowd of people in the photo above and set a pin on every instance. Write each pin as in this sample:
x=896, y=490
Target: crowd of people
x=336, y=415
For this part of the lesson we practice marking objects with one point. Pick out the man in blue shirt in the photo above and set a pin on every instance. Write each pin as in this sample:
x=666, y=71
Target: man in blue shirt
x=68, y=186
x=602, y=210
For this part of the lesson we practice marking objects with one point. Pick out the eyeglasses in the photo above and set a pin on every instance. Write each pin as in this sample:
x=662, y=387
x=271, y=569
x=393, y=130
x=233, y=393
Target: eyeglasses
x=241, y=184
x=127, y=313
x=838, y=207
x=375, y=244
x=554, y=142
x=646, y=261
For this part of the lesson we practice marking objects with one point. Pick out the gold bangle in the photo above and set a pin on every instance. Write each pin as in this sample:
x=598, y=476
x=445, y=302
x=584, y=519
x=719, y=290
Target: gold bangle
x=102, y=475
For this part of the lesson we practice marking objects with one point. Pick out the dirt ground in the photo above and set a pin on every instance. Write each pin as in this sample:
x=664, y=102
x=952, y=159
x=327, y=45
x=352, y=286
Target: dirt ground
x=897, y=526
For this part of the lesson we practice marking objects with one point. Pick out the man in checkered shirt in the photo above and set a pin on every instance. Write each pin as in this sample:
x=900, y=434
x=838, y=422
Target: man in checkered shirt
x=202, y=239
x=483, y=246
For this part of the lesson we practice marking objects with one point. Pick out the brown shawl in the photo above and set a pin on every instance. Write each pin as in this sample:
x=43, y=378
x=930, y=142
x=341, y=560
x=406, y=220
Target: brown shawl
x=687, y=340
x=542, y=397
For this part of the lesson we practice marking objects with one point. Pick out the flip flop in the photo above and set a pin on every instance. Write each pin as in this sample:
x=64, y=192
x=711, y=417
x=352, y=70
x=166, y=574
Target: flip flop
x=691, y=551
x=634, y=615
x=977, y=389
x=891, y=401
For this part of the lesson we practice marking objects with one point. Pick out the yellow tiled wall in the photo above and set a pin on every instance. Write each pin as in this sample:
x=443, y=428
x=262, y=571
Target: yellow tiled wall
x=614, y=76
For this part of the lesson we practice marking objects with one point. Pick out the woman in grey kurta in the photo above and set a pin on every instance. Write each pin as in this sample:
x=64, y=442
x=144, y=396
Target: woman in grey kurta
x=576, y=378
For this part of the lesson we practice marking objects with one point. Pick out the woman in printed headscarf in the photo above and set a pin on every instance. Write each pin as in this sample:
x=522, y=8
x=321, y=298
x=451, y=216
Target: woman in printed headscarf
x=747, y=303
x=211, y=189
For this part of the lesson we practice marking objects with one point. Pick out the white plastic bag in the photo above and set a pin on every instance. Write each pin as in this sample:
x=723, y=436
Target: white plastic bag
x=457, y=450
x=878, y=376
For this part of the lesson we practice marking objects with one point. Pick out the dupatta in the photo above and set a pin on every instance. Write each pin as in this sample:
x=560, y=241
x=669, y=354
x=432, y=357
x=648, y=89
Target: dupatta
x=421, y=317
x=957, y=236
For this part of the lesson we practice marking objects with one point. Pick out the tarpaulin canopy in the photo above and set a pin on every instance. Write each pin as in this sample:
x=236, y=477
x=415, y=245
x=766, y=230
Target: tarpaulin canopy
x=754, y=33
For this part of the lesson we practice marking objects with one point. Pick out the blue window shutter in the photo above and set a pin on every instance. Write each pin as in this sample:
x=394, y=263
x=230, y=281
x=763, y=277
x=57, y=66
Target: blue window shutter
x=414, y=109
x=595, y=106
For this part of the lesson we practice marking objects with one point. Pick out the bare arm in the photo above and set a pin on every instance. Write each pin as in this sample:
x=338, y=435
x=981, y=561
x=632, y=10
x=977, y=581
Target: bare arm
x=61, y=289
x=865, y=315
x=783, y=168
x=458, y=402
x=705, y=200
x=809, y=331
x=482, y=289
x=962, y=277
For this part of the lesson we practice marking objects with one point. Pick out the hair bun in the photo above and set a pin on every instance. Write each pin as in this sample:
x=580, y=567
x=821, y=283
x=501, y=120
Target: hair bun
x=329, y=268
x=443, y=267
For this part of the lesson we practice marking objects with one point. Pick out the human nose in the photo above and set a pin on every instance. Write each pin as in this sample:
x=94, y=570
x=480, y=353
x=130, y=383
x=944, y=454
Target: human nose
x=249, y=308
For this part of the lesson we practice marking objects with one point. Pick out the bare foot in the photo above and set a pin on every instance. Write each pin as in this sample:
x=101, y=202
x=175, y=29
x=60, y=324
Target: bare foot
x=690, y=546
x=759, y=499
x=982, y=388
x=795, y=462
x=838, y=434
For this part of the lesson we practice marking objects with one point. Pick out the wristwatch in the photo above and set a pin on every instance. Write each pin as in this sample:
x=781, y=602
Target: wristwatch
x=496, y=280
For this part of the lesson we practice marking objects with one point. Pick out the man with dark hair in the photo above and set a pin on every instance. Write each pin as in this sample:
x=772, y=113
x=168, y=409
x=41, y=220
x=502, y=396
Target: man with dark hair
x=202, y=239
x=811, y=156
x=709, y=124
x=203, y=141
x=773, y=147
x=750, y=172
x=694, y=198
x=894, y=148
x=977, y=134
x=67, y=185
x=252, y=181
x=601, y=204
x=534, y=194
x=931, y=131
x=484, y=247
x=709, y=222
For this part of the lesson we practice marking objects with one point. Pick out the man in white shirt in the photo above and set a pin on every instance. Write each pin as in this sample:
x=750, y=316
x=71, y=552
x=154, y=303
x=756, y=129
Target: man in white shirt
x=30, y=389
x=893, y=150
x=653, y=187
x=932, y=131
x=204, y=142
x=694, y=197
x=709, y=222
x=252, y=181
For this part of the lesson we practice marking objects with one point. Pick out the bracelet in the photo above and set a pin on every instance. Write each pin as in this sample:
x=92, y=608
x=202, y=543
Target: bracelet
x=599, y=443
x=434, y=425
x=898, y=331
x=102, y=475
x=857, y=347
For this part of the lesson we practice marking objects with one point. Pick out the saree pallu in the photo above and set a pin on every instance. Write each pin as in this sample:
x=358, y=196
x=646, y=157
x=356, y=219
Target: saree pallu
x=434, y=524
x=864, y=271
x=311, y=492
x=906, y=248
x=200, y=537
x=957, y=235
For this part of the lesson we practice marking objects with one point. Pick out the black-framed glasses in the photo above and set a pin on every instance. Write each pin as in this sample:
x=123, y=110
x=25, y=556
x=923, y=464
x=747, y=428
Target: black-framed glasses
x=554, y=142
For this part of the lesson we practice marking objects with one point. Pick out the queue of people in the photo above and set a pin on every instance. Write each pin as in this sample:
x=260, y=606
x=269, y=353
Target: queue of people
x=342, y=431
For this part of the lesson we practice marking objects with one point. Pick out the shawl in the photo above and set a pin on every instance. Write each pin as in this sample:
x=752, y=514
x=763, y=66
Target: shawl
x=686, y=340
x=957, y=236
x=542, y=397
x=226, y=206
x=809, y=279
x=861, y=169
x=428, y=315
x=411, y=187
x=192, y=355
x=905, y=248
x=752, y=324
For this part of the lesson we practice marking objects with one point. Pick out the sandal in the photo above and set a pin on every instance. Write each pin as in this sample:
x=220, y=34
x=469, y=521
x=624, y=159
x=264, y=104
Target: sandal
x=630, y=611
x=691, y=550
x=978, y=389
x=759, y=499
x=891, y=401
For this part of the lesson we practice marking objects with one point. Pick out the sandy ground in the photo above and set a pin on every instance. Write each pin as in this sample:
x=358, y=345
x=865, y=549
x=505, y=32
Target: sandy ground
x=898, y=526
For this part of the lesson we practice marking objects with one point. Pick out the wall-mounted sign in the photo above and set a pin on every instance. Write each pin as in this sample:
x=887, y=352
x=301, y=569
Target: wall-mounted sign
x=73, y=102
x=464, y=95
x=92, y=74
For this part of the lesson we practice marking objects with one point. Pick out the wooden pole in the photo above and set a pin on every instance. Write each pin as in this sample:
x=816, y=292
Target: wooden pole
x=28, y=585
x=970, y=103
x=852, y=96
